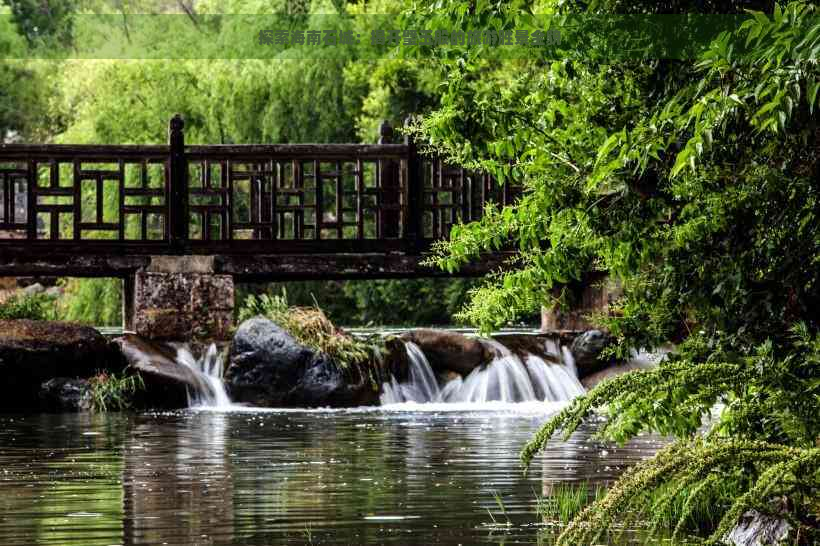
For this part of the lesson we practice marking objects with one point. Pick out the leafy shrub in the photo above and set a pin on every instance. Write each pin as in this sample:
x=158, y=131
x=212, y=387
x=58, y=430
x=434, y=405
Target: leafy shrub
x=694, y=183
x=97, y=302
x=34, y=307
x=405, y=302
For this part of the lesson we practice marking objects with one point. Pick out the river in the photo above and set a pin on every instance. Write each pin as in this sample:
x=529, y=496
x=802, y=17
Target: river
x=402, y=474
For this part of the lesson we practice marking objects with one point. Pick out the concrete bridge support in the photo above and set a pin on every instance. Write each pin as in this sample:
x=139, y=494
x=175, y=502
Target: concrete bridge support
x=179, y=298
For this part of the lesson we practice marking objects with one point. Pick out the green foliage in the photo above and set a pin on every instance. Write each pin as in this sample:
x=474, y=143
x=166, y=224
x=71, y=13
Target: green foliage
x=97, y=302
x=406, y=302
x=694, y=183
x=33, y=307
x=113, y=392
x=24, y=104
x=690, y=473
x=44, y=22
x=566, y=500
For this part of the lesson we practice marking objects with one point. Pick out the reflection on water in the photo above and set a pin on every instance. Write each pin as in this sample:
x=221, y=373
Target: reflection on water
x=295, y=477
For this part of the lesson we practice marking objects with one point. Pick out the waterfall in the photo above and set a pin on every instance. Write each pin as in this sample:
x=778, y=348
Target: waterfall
x=422, y=385
x=553, y=383
x=210, y=389
x=505, y=379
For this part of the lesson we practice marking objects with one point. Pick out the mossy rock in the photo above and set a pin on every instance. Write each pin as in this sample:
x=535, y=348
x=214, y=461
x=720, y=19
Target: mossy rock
x=32, y=352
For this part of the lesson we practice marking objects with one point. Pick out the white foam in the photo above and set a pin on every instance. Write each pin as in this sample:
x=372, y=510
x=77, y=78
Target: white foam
x=210, y=391
x=506, y=379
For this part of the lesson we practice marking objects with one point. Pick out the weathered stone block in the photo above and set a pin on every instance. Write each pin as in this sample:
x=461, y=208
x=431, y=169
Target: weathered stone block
x=183, y=306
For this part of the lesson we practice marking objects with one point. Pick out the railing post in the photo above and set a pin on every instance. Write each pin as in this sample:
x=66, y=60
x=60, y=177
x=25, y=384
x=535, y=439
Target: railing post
x=178, y=194
x=31, y=201
x=413, y=224
x=390, y=186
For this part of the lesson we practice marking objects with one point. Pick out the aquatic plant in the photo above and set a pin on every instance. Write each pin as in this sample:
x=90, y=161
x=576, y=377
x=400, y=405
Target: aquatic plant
x=567, y=500
x=667, y=490
x=33, y=307
x=114, y=392
x=499, y=501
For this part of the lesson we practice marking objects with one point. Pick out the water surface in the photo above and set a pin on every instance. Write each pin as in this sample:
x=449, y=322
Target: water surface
x=401, y=475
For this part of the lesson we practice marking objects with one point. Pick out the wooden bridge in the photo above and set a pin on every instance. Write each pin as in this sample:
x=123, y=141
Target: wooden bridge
x=264, y=212
x=180, y=223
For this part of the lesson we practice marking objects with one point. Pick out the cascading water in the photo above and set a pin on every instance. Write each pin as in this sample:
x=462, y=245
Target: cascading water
x=553, y=383
x=210, y=389
x=422, y=385
x=505, y=379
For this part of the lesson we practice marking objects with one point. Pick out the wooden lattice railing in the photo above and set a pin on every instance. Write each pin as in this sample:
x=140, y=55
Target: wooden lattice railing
x=226, y=199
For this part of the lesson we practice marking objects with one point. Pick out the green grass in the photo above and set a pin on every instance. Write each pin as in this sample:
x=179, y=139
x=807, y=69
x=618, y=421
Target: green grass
x=500, y=503
x=567, y=500
x=662, y=512
x=112, y=392
x=33, y=307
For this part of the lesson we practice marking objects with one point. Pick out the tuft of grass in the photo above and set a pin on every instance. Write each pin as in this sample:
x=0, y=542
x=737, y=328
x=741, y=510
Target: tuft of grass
x=308, y=533
x=667, y=509
x=695, y=508
x=567, y=501
x=310, y=326
x=33, y=307
x=112, y=392
x=500, y=503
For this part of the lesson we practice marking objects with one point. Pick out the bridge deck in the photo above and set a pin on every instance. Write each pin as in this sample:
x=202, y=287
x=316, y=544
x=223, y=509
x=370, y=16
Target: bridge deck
x=249, y=268
x=265, y=211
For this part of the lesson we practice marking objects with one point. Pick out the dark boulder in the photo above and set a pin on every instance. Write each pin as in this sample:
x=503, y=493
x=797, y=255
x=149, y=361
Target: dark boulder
x=396, y=361
x=323, y=383
x=265, y=363
x=269, y=368
x=63, y=394
x=449, y=351
x=32, y=352
x=586, y=350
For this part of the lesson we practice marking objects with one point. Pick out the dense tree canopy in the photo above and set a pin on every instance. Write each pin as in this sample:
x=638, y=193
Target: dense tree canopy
x=696, y=184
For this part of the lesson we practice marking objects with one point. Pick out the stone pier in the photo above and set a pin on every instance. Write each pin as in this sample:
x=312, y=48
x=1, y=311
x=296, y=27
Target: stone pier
x=595, y=296
x=179, y=298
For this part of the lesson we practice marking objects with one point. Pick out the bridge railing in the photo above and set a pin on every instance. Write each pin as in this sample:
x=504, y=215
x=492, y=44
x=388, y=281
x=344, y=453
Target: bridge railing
x=212, y=199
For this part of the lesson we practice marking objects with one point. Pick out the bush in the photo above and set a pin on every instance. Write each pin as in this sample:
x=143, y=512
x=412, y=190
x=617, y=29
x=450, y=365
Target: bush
x=33, y=307
x=97, y=302
x=405, y=302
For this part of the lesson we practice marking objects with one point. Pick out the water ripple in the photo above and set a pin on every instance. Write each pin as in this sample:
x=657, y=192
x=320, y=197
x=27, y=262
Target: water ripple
x=394, y=475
